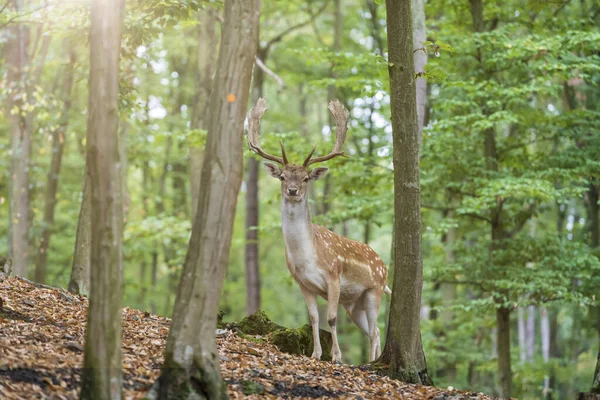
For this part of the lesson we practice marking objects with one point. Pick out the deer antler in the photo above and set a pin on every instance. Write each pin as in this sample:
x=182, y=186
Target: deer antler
x=341, y=116
x=254, y=116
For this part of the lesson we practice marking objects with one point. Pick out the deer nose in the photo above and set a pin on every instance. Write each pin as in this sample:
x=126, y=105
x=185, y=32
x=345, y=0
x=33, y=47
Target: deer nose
x=293, y=191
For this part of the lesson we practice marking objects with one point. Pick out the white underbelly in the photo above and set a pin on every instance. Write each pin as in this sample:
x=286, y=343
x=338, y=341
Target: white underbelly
x=350, y=291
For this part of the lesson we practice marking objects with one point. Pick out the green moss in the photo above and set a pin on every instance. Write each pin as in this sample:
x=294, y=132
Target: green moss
x=300, y=341
x=220, y=323
x=257, y=324
x=252, y=338
x=250, y=387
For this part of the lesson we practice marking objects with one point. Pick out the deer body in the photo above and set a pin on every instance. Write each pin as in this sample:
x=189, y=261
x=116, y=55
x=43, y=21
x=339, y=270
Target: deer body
x=323, y=263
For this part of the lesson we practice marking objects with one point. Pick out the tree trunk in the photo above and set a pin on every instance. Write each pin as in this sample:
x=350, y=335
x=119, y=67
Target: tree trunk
x=21, y=129
x=80, y=269
x=545, y=339
x=102, y=376
x=503, y=348
x=530, y=334
x=596, y=381
x=58, y=144
x=191, y=367
x=207, y=55
x=403, y=348
x=522, y=334
x=419, y=36
x=252, y=206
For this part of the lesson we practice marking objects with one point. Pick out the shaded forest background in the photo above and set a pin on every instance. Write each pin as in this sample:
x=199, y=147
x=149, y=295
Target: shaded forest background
x=510, y=154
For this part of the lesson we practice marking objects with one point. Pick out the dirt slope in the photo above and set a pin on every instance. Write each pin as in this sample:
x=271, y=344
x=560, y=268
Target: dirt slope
x=42, y=333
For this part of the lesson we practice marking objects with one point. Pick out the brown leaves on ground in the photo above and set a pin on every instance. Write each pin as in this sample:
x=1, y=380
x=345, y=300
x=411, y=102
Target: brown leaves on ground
x=42, y=336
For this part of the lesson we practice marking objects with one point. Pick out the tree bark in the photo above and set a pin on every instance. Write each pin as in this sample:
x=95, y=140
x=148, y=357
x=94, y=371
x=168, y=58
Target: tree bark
x=522, y=334
x=102, y=376
x=403, y=348
x=252, y=205
x=419, y=37
x=58, y=144
x=80, y=269
x=191, y=367
x=207, y=55
x=545, y=339
x=21, y=129
x=530, y=334
x=503, y=347
x=596, y=381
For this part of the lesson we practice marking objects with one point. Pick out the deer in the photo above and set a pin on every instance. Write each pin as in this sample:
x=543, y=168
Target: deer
x=323, y=263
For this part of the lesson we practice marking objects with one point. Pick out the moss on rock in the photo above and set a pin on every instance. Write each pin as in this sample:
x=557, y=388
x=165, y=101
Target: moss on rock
x=257, y=324
x=300, y=341
x=289, y=340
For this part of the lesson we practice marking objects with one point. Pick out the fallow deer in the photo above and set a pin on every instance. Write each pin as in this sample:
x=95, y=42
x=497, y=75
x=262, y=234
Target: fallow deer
x=322, y=262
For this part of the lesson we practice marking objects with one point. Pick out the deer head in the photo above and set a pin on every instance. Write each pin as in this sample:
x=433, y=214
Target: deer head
x=295, y=178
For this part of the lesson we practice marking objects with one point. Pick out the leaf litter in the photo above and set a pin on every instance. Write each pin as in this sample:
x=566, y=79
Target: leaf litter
x=42, y=339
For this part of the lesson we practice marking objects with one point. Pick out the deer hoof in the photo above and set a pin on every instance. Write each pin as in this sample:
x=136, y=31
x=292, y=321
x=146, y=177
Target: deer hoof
x=316, y=355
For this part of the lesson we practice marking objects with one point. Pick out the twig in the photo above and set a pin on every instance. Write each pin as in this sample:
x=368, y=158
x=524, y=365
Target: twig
x=24, y=14
x=4, y=6
x=277, y=38
x=272, y=74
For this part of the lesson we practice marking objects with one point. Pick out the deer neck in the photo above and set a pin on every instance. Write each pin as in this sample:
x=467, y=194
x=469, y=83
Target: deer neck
x=297, y=227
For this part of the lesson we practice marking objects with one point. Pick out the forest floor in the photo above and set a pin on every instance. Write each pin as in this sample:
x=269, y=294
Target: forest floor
x=42, y=334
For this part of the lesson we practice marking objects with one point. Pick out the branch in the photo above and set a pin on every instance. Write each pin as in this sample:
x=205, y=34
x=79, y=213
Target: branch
x=4, y=6
x=522, y=217
x=272, y=74
x=477, y=216
x=22, y=15
x=292, y=28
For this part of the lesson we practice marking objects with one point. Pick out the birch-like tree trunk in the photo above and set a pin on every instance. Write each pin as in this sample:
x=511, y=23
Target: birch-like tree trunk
x=20, y=130
x=58, y=144
x=191, y=367
x=403, y=349
x=102, y=376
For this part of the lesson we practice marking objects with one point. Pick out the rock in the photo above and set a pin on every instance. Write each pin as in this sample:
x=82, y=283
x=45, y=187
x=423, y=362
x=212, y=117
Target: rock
x=74, y=346
x=257, y=324
x=300, y=341
x=221, y=332
x=28, y=302
x=254, y=351
x=223, y=358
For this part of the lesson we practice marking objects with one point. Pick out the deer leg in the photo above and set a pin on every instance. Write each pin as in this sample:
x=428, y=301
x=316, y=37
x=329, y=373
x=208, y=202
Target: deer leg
x=313, y=313
x=359, y=317
x=372, y=310
x=333, y=298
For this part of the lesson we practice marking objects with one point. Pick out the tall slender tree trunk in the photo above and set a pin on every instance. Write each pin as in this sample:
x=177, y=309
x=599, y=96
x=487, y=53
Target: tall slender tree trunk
x=252, y=205
x=102, y=375
x=545, y=339
x=58, y=144
x=80, y=269
x=191, y=367
x=419, y=37
x=503, y=348
x=21, y=129
x=207, y=55
x=403, y=348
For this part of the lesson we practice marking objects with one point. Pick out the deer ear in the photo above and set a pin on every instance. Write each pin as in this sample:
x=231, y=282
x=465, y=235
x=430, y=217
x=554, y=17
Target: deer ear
x=318, y=173
x=272, y=169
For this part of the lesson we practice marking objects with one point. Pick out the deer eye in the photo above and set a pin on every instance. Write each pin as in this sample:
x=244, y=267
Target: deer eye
x=306, y=179
x=281, y=178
